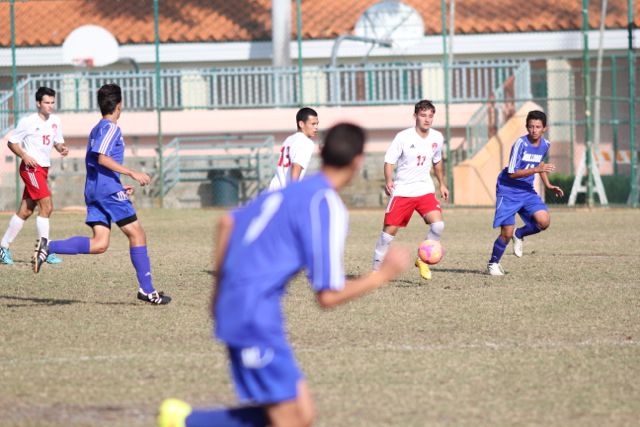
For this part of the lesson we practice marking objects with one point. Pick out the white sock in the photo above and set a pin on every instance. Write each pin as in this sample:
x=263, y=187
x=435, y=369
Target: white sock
x=382, y=246
x=15, y=225
x=42, y=224
x=435, y=230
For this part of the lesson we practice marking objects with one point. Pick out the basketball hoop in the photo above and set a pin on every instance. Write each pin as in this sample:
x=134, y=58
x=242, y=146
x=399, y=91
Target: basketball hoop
x=90, y=46
x=82, y=62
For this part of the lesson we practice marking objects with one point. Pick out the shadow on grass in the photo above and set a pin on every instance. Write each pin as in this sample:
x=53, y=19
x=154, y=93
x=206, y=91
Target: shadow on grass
x=33, y=301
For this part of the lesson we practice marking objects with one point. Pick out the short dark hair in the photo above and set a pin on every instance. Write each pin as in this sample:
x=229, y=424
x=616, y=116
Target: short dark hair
x=424, y=104
x=42, y=91
x=303, y=115
x=537, y=115
x=109, y=96
x=342, y=143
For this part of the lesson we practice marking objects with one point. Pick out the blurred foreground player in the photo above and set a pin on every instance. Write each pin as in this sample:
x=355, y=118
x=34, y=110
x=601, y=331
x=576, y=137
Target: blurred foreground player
x=305, y=226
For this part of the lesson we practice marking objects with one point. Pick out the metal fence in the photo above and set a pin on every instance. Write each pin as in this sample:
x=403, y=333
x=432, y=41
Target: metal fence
x=268, y=87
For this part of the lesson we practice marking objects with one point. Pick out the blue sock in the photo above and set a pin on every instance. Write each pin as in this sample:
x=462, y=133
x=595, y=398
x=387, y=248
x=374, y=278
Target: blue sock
x=141, y=263
x=527, y=229
x=498, y=249
x=249, y=416
x=71, y=246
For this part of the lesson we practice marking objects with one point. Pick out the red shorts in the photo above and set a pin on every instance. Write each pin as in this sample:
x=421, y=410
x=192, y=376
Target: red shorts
x=400, y=209
x=35, y=182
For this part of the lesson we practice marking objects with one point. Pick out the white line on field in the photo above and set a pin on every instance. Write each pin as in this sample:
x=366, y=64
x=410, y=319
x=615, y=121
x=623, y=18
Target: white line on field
x=378, y=348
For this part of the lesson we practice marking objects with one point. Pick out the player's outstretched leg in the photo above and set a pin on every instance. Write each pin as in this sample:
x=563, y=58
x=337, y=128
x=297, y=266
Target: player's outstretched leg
x=176, y=413
x=40, y=254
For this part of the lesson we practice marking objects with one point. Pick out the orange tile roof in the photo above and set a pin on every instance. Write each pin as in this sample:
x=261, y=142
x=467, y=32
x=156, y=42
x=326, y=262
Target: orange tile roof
x=47, y=23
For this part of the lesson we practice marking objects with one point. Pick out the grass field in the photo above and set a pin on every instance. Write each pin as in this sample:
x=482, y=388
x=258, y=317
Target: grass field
x=554, y=342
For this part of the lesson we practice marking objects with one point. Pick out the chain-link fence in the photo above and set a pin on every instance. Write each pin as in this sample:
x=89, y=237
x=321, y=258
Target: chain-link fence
x=497, y=87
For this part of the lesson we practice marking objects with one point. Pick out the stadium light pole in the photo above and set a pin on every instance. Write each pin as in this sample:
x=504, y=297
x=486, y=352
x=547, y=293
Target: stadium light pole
x=587, y=99
x=633, y=176
x=14, y=80
x=156, y=13
x=445, y=52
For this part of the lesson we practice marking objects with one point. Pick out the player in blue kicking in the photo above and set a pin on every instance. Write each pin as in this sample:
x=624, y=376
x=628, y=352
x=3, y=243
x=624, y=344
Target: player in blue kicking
x=107, y=199
x=302, y=226
x=515, y=192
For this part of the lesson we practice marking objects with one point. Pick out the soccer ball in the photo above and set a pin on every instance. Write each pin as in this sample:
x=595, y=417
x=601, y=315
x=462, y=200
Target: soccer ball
x=430, y=251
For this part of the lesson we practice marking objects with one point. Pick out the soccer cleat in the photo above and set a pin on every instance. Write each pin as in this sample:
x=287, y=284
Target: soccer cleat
x=53, y=259
x=517, y=246
x=495, y=269
x=40, y=254
x=173, y=413
x=5, y=256
x=425, y=271
x=154, y=297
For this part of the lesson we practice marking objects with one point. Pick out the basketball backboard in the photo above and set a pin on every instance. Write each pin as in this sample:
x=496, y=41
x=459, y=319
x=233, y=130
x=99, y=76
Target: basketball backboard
x=391, y=20
x=90, y=46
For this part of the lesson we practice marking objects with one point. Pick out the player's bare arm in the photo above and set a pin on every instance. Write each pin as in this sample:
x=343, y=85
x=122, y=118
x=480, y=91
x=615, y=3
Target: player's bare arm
x=18, y=151
x=395, y=262
x=62, y=149
x=106, y=161
x=296, y=171
x=225, y=225
x=438, y=169
x=541, y=168
x=388, y=178
x=547, y=183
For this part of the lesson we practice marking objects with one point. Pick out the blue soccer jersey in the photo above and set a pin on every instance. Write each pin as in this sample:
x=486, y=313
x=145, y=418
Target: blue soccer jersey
x=523, y=155
x=105, y=138
x=303, y=226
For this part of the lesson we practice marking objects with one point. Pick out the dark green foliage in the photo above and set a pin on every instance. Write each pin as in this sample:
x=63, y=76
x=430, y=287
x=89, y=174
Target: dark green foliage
x=616, y=187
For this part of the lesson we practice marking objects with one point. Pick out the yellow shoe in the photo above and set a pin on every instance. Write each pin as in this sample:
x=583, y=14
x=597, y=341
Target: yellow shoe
x=173, y=413
x=425, y=272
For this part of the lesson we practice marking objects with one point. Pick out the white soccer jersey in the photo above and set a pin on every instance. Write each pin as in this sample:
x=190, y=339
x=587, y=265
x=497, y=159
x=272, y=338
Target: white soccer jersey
x=297, y=148
x=413, y=157
x=37, y=137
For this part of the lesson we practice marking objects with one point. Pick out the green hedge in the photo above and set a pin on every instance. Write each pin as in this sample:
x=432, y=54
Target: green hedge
x=616, y=186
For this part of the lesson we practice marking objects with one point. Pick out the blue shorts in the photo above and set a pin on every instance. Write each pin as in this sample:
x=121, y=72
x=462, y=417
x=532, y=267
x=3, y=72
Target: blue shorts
x=263, y=375
x=114, y=208
x=524, y=203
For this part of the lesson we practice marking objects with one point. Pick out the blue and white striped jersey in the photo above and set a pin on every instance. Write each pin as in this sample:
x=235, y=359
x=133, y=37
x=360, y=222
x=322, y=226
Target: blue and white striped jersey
x=105, y=138
x=523, y=155
x=302, y=226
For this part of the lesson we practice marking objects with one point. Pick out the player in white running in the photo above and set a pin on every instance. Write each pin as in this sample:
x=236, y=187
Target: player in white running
x=296, y=150
x=32, y=141
x=412, y=153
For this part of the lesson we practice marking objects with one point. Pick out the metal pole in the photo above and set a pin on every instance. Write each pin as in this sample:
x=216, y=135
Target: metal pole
x=299, y=34
x=158, y=103
x=633, y=194
x=445, y=52
x=14, y=79
x=587, y=99
x=614, y=112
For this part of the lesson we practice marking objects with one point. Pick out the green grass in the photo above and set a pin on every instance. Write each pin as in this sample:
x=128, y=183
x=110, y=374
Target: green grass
x=554, y=342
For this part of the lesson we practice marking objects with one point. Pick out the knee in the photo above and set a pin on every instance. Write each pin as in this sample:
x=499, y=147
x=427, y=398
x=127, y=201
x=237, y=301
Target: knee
x=99, y=247
x=46, y=211
x=506, y=235
x=543, y=225
x=24, y=213
x=308, y=417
